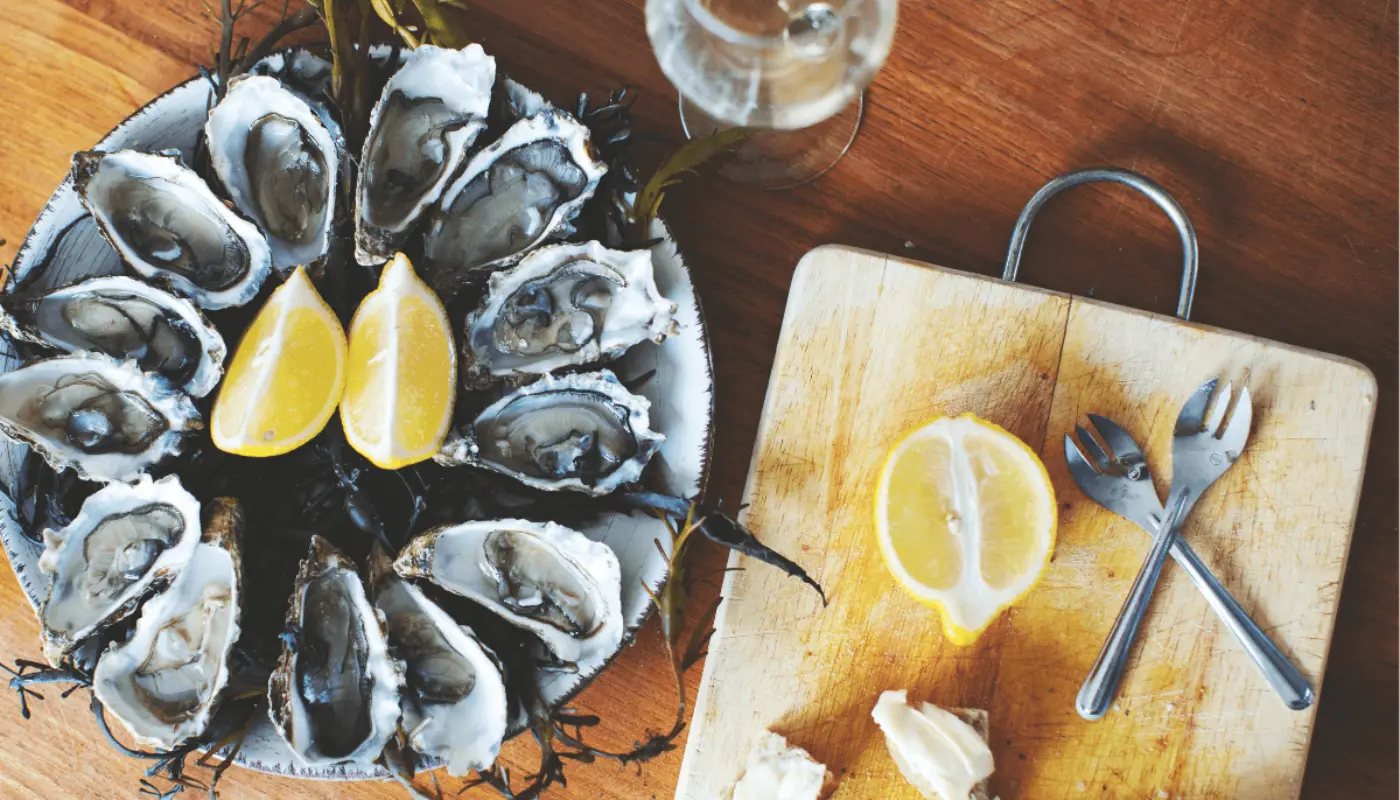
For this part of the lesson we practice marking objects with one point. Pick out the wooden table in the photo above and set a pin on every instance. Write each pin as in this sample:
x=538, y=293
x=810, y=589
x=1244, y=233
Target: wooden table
x=1274, y=124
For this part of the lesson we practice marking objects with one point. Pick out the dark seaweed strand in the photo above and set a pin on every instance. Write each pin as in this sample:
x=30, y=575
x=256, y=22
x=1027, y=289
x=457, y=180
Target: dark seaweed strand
x=721, y=529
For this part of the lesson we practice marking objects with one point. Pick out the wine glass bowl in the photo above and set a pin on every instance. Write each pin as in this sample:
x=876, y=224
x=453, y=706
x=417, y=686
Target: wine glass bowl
x=780, y=65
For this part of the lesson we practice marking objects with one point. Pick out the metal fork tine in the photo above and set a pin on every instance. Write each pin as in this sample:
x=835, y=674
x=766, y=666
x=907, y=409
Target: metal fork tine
x=1079, y=467
x=1194, y=411
x=1118, y=439
x=1236, y=432
x=1219, y=407
x=1091, y=446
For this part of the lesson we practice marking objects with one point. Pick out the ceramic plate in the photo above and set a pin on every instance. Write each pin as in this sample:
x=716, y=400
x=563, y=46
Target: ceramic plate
x=680, y=394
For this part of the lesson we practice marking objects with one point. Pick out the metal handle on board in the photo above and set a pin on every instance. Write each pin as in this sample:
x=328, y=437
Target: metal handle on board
x=1190, y=258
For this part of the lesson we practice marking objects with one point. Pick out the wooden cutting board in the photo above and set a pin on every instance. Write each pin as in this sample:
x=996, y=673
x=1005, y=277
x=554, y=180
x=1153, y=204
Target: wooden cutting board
x=872, y=346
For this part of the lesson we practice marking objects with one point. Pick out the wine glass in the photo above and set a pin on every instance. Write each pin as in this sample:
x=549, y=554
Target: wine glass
x=794, y=71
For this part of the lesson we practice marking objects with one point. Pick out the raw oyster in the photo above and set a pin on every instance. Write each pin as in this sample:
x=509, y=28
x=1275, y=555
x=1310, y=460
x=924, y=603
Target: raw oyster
x=166, y=223
x=166, y=681
x=126, y=541
x=514, y=195
x=106, y=419
x=125, y=319
x=564, y=306
x=454, y=699
x=334, y=696
x=279, y=164
x=429, y=114
x=543, y=577
x=583, y=432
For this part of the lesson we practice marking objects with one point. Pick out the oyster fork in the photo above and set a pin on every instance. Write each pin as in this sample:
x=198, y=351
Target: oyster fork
x=1203, y=447
x=1120, y=481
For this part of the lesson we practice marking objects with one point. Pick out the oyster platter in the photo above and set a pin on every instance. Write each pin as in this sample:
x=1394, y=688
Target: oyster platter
x=230, y=564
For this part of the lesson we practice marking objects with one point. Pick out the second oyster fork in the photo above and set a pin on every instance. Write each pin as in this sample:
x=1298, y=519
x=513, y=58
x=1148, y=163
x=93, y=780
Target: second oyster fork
x=1120, y=481
x=1203, y=447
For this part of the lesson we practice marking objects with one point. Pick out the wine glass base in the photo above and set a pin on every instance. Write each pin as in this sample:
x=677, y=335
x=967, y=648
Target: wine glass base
x=780, y=159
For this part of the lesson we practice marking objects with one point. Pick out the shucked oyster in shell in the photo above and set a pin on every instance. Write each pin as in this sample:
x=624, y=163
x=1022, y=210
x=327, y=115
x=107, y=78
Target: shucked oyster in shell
x=582, y=432
x=542, y=577
x=106, y=420
x=454, y=699
x=166, y=224
x=426, y=119
x=334, y=696
x=562, y=306
x=514, y=195
x=126, y=540
x=126, y=319
x=166, y=681
x=280, y=165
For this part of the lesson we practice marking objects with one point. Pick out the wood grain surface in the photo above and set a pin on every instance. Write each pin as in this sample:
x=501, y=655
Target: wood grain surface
x=1274, y=124
x=1193, y=718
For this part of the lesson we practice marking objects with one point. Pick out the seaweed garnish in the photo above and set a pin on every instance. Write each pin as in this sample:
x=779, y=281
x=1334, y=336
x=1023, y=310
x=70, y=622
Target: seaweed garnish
x=234, y=55
x=685, y=161
x=226, y=732
x=722, y=529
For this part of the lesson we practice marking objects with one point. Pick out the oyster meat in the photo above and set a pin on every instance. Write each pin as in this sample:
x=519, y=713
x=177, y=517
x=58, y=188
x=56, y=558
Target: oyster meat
x=454, y=699
x=539, y=576
x=166, y=681
x=563, y=306
x=583, y=432
x=429, y=114
x=514, y=195
x=280, y=165
x=105, y=419
x=125, y=319
x=166, y=224
x=126, y=541
x=334, y=696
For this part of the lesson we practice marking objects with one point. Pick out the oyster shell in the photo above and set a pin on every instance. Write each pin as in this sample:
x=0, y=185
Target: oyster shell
x=514, y=195
x=105, y=419
x=543, y=577
x=166, y=223
x=429, y=114
x=582, y=432
x=334, y=696
x=126, y=541
x=126, y=319
x=521, y=100
x=166, y=681
x=299, y=70
x=563, y=306
x=280, y=165
x=454, y=699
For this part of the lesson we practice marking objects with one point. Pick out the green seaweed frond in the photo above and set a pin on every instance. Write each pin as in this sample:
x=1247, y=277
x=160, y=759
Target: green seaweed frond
x=685, y=160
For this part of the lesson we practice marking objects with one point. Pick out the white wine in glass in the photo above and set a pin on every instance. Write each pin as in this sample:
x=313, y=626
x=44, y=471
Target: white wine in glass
x=792, y=68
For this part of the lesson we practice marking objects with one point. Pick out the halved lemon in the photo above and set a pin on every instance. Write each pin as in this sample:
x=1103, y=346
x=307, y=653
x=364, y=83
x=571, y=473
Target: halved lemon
x=965, y=515
x=286, y=376
x=401, y=379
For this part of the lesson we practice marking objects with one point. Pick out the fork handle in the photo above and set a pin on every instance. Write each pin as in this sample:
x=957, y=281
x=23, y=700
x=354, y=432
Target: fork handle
x=1101, y=686
x=1287, y=680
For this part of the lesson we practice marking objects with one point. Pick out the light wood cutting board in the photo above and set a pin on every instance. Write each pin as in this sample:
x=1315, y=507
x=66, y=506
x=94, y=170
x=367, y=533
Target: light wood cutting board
x=872, y=346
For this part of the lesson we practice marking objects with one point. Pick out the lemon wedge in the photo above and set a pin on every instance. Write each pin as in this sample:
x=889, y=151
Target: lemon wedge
x=965, y=515
x=286, y=376
x=401, y=378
